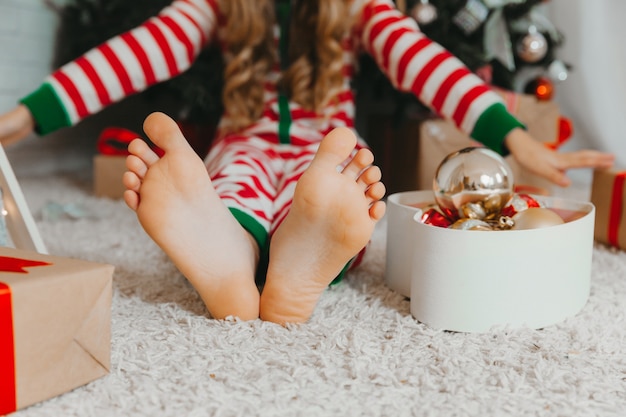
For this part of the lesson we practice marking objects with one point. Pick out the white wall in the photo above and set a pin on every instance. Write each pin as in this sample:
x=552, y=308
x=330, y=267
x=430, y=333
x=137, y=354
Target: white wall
x=594, y=95
x=27, y=41
x=26, y=46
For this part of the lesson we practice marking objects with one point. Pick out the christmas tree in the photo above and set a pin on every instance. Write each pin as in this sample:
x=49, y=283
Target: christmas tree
x=508, y=43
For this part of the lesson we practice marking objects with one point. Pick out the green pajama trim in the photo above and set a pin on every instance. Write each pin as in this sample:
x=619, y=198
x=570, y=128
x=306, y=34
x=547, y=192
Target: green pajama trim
x=283, y=10
x=284, y=114
x=47, y=110
x=262, y=238
x=284, y=123
x=253, y=227
x=342, y=274
x=493, y=126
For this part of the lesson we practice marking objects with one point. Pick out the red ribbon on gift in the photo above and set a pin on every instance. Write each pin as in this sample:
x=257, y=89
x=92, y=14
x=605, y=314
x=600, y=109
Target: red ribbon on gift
x=8, y=400
x=9, y=264
x=615, y=214
x=113, y=141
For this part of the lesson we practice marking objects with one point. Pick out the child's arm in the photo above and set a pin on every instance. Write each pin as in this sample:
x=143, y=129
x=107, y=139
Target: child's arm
x=161, y=48
x=414, y=63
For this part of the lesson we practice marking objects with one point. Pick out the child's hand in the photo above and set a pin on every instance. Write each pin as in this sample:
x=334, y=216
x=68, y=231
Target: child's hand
x=16, y=125
x=549, y=164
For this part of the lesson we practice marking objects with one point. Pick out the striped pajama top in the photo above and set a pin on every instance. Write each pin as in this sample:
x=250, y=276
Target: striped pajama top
x=167, y=44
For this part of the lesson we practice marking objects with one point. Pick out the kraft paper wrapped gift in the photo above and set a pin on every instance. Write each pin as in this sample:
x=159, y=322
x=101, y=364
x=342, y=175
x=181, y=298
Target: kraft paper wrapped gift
x=608, y=194
x=438, y=138
x=107, y=176
x=55, y=325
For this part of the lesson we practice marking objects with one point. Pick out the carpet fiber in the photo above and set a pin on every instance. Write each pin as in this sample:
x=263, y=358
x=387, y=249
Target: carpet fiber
x=361, y=354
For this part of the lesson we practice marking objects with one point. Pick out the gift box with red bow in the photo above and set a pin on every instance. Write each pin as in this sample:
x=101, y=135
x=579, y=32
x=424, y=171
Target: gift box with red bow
x=109, y=164
x=608, y=194
x=112, y=146
x=55, y=325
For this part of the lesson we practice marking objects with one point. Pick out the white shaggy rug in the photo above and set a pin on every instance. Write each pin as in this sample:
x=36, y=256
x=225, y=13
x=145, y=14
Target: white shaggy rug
x=362, y=353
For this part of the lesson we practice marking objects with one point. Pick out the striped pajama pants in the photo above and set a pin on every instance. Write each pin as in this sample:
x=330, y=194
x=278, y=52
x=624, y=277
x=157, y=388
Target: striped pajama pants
x=255, y=177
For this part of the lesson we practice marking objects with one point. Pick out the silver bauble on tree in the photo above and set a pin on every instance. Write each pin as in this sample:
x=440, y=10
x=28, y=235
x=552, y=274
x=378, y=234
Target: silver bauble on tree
x=532, y=47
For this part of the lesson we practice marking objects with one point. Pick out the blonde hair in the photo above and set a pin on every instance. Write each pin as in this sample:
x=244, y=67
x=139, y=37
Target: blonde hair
x=315, y=73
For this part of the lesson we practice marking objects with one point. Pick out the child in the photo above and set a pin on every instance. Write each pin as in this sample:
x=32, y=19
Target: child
x=286, y=166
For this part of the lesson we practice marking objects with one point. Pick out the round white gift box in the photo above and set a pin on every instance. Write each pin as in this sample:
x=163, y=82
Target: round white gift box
x=471, y=281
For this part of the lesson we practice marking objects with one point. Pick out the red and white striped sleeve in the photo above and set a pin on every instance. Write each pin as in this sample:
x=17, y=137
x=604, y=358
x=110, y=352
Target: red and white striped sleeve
x=414, y=63
x=161, y=48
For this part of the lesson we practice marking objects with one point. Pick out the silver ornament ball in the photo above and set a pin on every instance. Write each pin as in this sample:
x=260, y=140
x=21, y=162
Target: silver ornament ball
x=533, y=47
x=474, y=182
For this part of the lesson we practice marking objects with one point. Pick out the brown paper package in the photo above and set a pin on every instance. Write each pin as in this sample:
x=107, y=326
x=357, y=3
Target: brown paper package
x=602, y=197
x=107, y=176
x=61, y=324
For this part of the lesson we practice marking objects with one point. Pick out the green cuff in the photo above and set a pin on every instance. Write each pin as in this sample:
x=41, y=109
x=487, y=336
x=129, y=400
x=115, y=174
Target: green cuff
x=493, y=126
x=47, y=110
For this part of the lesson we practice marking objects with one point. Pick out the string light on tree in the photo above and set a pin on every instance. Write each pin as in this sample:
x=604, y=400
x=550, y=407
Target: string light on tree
x=541, y=87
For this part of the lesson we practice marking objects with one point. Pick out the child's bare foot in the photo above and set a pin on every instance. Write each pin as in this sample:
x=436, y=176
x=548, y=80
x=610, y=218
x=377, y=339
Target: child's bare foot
x=177, y=206
x=331, y=219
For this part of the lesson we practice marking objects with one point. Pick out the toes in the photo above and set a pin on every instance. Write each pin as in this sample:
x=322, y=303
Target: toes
x=359, y=162
x=136, y=165
x=377, y=210
x=140, y=150
x=132, y=199
x=369, y=176
x=164, y=132
x=375, y=192
x=336, y=147
x=131, y=181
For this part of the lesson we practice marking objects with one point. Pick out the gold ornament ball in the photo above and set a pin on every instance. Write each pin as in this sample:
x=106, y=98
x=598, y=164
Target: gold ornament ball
x=535, y=218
